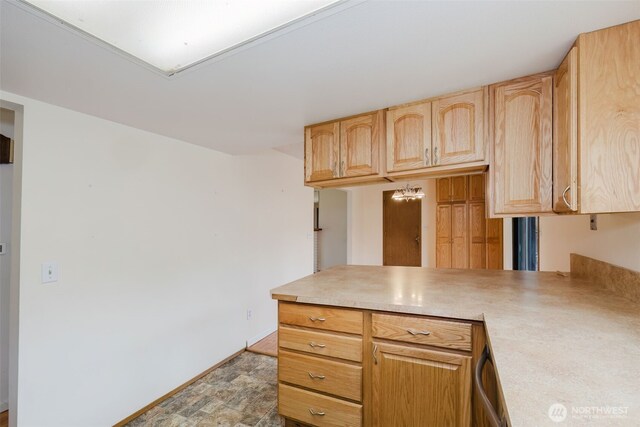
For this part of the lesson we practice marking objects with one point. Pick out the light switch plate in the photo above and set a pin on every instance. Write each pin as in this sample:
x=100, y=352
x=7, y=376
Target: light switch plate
x=49, y=272
x=3, y=248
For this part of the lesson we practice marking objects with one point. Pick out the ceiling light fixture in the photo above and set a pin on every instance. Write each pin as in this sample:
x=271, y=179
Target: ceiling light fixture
x=407, y=193
x=172, y=35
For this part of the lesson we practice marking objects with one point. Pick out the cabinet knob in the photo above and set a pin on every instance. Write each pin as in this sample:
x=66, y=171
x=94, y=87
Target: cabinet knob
x=426, y=157
x=317, y=319
x=435, y=156
x=314, y=345
x=314, y=412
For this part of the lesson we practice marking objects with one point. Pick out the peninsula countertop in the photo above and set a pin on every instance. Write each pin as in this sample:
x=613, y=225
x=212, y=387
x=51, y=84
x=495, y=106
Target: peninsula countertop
x=554, y=338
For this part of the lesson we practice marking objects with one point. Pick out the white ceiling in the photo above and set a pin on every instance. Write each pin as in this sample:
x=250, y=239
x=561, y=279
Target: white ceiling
x=372, y=55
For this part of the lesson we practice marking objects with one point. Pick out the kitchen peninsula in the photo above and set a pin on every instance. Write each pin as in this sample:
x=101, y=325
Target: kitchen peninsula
x=378, y=330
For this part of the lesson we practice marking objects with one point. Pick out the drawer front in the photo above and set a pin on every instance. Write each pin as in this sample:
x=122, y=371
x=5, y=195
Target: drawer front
x=419, y=330
x=321, y=317
x=326, y=344
x=301, y=405
x=331, y=377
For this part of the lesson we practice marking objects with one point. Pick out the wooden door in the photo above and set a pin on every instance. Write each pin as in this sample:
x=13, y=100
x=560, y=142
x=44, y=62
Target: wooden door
x=409, y=137
x=459, y=236
x=458, y=188
x=521, y=171
x=414, y=387
x=477, y=235
x=443, y=190
x=360, y=139
x=609, y=119
x=476, y=188
x=443, y=236
x=494, y=244
x=458, y=128
x=401, y=231
x=565, y=135
x=322, y=151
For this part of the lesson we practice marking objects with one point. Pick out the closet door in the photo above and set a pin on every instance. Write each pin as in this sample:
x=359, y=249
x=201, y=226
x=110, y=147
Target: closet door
x=459, y=236
x=477, y=238
x=443, y=236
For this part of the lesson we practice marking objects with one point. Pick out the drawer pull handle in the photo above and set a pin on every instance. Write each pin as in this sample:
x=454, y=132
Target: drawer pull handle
x=314, y=345
x=319, y=413
x=414, y=332
x=316, y=377
x=317, y=319
x=375, y=359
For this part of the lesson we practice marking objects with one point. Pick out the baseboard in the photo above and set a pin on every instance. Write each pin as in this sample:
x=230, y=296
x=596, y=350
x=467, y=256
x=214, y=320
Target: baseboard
x=251, y=341
x=176, y=390
x=4, y=406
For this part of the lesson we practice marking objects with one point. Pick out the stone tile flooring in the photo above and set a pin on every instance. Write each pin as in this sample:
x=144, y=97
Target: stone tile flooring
x=240, y=393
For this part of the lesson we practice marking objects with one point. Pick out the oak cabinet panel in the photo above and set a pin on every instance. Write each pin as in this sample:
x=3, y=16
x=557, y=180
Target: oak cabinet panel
x=609, y=119
x=451, y=189
x=443, y=236
x=360, y=139
x=521, y=167
x=565, y=135
x=458, y=128
x=477, y=236
x=476, y=187
x=459, y=236
x=495, y=256
x=322, y=151
x=409, y=137
x=419, y=387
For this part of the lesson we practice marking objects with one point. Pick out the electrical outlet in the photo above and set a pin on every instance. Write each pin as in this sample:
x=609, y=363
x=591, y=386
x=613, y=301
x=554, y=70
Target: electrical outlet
x=593, y=223
x=249, y=314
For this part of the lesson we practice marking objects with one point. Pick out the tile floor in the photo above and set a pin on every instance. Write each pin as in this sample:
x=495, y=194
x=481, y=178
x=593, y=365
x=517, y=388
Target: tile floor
x=240, y=393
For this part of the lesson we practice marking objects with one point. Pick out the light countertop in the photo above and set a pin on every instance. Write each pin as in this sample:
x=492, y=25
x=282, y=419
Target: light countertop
x=554, y=339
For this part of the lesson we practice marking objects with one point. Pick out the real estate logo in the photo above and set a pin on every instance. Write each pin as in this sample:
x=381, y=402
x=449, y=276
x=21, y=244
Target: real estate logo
x=557, y=412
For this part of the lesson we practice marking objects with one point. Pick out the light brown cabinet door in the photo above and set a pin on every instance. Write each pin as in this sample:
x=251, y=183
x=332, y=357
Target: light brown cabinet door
x=609, y=119
x=565, y=134
x=443, y=236
x=476, y=188
x=443, y=190
x=458, y=188
x=459, y=236
x=521, y=170
x=477, y=236
x=409, y=137
x=494, y=244
x=458, y=128
x=322, y=152
x=419, y=387
x=359, y=145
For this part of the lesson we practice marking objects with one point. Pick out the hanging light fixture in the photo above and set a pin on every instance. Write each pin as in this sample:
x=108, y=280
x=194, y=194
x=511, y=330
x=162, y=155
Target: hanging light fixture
x=408, y=193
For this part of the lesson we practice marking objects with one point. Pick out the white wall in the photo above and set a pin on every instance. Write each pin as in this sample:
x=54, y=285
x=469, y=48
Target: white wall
x=616, y=241
x=364, y=207
x=7, y=118
x=332, y=240
x=161, y=251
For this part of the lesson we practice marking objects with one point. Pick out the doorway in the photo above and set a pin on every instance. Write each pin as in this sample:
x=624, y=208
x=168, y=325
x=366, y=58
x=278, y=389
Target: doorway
x=525, y=243
x=401, y=231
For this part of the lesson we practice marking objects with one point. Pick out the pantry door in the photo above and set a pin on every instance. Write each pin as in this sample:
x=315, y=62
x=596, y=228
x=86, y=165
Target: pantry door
x=401, y=231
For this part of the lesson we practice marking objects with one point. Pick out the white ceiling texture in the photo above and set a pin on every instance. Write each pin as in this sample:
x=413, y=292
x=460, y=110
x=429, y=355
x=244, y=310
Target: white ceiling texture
x=361, y=56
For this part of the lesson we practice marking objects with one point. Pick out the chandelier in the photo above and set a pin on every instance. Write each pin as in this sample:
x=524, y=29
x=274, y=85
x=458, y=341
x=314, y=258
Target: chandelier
x=408, y=193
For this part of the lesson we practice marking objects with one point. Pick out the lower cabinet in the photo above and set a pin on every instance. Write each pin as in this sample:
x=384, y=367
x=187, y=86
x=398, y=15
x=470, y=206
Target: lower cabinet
x=389, y=369
x=419, y=387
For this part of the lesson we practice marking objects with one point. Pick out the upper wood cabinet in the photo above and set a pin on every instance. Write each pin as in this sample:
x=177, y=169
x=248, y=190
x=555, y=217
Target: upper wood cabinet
x=409, y=137
x=348, y=148
x=360, y=139
x=419, y=387
x=565, y=134
x=476, y=187
x=458, y=128
x=522, y=146
x=451, y=189
x=322, y=151
x=609, y=119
